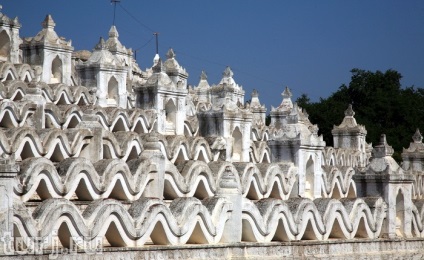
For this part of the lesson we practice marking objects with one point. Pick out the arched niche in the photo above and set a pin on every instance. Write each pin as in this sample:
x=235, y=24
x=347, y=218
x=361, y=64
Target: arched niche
x=170, y=116
x=237, y=145
x=309, y=178
x=112, y=91
x=4, y=46
x=56, y=70
x=400, y=214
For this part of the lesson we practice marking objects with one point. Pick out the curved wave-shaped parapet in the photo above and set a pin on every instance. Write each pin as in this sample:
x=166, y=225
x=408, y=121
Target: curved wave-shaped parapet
x=191, y=126
x=260, y=134
x=267, y=220
x=62, y=116
x=189, y=179
x=267, y=180
x=310, y=222
x=123, y=145
x=341, y=157
x=23, y=142
x=61, y=94
x=186, y=220
x=117, y=119
x=22, y=114
x=198, y=179
x=14, y=90
x=142, y=120
x=199, y=149
x=418, y=217
x=225, y=174
x=8, y=71
x=366, y=215
x=176, y=147
x=338, y=182
x=25, y=72
x=302, y=219
x=78, y=176
x=113, y=118
x=260, y=152
x=61, y=144
x=418, y=185
x=14, y=114
x=335, y=218
x=179, y=148
x=275, y=219
x=55, y=144
x=329, y=156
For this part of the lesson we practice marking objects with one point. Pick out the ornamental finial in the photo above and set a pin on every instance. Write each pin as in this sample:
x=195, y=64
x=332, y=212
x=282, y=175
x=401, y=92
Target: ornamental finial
x=203, y=75
x=170, y=54
x=228, y=73
x=417, y=137
x=286, y=93
x=349, y=111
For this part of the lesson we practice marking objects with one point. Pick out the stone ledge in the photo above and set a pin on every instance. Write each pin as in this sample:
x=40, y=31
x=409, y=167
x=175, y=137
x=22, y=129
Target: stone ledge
x=336, y=249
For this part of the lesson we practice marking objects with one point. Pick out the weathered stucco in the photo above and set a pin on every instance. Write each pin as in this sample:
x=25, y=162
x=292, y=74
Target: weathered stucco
x=97, y=154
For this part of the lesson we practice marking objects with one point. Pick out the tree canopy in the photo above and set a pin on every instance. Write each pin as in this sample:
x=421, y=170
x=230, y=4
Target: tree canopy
x=380, y=103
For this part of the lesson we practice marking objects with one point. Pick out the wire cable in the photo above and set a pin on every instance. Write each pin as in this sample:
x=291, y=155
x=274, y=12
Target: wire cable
x=135, y=19
x=249, y=74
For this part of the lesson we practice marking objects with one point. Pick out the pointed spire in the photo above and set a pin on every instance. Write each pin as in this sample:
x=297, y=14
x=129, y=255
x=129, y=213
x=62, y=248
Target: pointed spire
x=203, y=75
x=228, y=73
x=286, y=93
x=203, y=83
x=170, y=54
x=101, y=45
x=255, y=103
x=417, y=137
x=48, y=22
x=113, y=33
x=156, y=59
x=287, y=104
x=158, y=66
x=349, y=111
x=382, y=149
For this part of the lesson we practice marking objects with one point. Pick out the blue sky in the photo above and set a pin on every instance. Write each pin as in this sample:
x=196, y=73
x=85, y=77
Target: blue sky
x=310, y=46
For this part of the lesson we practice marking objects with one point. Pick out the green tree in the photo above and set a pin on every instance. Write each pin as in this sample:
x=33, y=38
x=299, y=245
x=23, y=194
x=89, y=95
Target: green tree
x=379, y=102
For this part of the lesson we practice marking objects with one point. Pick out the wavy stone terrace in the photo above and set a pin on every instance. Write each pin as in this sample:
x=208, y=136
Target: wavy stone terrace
x=103, y=159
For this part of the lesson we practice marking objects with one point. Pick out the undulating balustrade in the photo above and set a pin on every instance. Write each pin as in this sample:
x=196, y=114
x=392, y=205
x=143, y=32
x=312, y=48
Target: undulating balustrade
x=77, y=172
x=61, y=190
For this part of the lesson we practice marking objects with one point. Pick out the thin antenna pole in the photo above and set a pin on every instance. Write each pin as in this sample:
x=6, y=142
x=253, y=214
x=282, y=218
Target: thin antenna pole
x=156, y=34
x=114, y=2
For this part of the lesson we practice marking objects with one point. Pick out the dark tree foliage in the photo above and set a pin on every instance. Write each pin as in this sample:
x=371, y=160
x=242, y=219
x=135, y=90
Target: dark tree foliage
x=379, y=102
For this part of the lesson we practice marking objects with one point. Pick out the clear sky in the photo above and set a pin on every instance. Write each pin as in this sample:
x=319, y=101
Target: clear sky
x=310, y=46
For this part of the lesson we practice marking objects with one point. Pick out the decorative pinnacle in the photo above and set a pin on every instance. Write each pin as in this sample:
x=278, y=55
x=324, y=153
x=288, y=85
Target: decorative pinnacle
x=100, y=45
x=158, y=66
x=48, y=22
x=417, y=137
x=382, y=149
x=286, y=93
x=203, y=75
x=113, y=33
x=255, y=93
x=228, y=73
x=170, y=54
x=349, y=111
